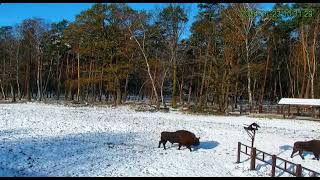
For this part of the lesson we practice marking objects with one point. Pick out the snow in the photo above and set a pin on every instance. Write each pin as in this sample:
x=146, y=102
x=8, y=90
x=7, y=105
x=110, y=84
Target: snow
x=300, y=101
x=54, y=140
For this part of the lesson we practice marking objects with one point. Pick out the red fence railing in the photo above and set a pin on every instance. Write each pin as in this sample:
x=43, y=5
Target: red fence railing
x=293, y=169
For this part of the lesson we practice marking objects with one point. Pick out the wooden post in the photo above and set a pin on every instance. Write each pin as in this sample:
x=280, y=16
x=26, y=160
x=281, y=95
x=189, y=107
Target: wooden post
x=285, y=165
x=253, y=159
x=313, y=112
x=239, y=151
x=289, y=111
x=273, y=168
x=298, y=170
x=282, y=112
x=252, y=139
x=278, y=110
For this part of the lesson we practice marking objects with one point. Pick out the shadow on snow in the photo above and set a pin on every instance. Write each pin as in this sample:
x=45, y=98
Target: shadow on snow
x=66, y=155
x=206, y=145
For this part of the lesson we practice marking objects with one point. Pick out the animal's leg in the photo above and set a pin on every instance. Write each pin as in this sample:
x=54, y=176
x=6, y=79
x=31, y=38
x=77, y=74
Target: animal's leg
x=189, y=147
x=316, y=156
x=300, y=153
x=159, y=144
x=179, y=146
x=293, y=151
x=164, y=144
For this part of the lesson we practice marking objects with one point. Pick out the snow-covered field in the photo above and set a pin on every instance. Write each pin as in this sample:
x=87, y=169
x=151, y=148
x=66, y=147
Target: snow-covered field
x=55, y=140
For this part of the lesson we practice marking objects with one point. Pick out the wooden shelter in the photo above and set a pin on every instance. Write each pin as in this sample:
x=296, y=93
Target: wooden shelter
x=297, y=104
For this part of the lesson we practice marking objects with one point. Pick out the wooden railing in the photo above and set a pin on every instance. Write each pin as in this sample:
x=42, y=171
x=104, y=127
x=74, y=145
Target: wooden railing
x=293, y=169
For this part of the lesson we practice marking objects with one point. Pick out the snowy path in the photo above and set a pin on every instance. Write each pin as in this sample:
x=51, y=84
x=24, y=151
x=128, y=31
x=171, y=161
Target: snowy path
x=54, y=140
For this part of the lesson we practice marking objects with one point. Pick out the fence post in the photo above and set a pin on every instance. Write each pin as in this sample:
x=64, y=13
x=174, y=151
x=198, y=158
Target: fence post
x=239, y=151
x=298, y=170
x=253, y=159
x=273, y=168
x=313, y=112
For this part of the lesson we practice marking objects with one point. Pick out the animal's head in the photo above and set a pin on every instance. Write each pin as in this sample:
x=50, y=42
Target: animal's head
x=295, y=148
x=197, y=142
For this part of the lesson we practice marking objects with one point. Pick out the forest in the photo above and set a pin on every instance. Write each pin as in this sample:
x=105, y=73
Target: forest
x=112, y=53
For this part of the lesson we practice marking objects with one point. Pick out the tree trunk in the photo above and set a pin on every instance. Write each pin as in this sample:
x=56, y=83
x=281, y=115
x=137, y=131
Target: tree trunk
x=181, y=92
x=126, y=88
x=204, y=76
x=13, y=93
x=49, y=74
x=248, y=73
x=2, y=90
x=280, y=86
x=28, y=93
x=17, y=72
x=314, y=61
x=304, y=61
x=174, y=84
x=94, y=85
x=89, y=83
x=38, y=77
x=291, y=89
x=264, y=79
x=67, y=78
x=59, y=81
x=161, y=88
x=148, y=67
x=254, y=89
x=101, y=85
x=236, y=92
x=118, y=92
x=190, y=87
x=78, y=92
x=306, y=93
x=275, y=89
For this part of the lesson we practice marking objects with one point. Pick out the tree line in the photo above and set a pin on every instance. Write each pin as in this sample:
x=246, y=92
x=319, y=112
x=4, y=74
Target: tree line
x=111, y=52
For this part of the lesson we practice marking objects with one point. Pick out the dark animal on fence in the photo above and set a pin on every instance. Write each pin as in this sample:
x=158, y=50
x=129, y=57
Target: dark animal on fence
x=183, y=137
x=253, y=126
x=310, y=146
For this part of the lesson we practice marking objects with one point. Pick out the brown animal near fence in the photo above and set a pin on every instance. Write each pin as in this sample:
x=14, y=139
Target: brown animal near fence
x=183, y=137
x=310, y=146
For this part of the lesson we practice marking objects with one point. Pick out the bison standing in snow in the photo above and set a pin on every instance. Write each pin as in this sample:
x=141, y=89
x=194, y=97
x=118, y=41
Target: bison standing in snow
x=183, y=137
x=311, y=146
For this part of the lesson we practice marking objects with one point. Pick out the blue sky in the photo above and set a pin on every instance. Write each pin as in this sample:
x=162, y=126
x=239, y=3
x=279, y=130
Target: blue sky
x=14, y=13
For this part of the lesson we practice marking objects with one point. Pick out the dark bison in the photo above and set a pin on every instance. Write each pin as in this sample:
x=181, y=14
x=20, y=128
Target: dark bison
x=183, y=137
x=310, y=146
